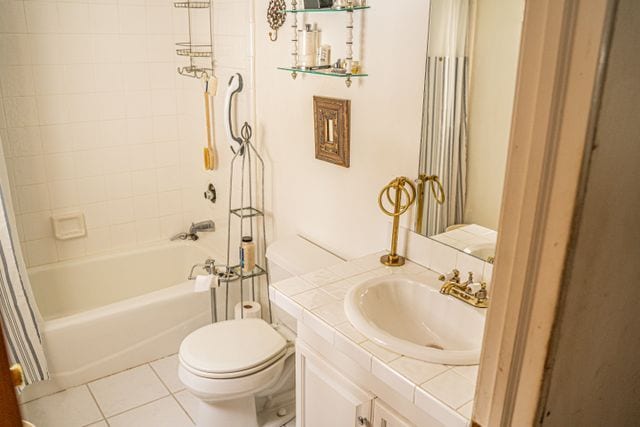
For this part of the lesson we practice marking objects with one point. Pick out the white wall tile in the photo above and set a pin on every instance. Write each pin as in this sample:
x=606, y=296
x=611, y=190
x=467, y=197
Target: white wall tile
x=37, y=225
x=89, y=100
x=41, y=251
x=121, y=211
x=21, y=111
x=119, y=186
x=104, y=18
x=33, y=198
x=12, y=17
x=74, y=18
x=42, y=17
x=69, y=249
x=17, y=80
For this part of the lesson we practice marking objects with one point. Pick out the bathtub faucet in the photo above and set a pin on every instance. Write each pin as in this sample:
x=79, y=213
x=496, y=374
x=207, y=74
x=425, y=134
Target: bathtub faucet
x=196, y=227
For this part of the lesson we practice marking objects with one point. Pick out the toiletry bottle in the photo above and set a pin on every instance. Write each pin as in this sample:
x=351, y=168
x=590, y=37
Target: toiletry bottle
x=309, y=46
x=247, y=254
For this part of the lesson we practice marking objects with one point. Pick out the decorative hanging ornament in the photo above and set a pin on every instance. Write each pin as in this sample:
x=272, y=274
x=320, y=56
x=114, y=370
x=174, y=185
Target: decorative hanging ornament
x=275, y=17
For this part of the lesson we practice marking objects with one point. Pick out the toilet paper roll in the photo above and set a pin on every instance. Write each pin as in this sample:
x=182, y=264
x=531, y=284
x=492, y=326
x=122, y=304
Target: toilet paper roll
x=252, y=310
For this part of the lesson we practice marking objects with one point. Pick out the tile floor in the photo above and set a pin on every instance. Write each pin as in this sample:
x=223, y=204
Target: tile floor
x=149, y=395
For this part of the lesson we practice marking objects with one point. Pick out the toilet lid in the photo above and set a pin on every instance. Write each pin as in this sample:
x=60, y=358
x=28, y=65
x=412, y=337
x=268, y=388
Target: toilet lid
x=231, y=346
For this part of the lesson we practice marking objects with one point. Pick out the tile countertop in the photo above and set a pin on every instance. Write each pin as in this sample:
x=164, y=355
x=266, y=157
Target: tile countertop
x=316, y=299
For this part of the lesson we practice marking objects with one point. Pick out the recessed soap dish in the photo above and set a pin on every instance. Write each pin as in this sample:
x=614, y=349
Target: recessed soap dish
x=69, y=225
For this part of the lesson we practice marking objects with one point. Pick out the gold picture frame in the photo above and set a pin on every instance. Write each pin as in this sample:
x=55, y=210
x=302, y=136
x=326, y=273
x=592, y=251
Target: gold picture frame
x=332, y=125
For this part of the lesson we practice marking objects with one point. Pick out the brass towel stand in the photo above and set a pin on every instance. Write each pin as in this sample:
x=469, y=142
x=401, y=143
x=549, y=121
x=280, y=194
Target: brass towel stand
x=399, y=186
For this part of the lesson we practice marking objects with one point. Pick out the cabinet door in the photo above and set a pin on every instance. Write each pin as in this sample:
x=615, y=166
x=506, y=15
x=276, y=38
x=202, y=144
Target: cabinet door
x=325, y=397
x=384, y=416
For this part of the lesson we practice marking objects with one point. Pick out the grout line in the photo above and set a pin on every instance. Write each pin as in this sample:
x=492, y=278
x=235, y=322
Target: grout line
x=86, y=385
x=137, y=407
x=181, y=406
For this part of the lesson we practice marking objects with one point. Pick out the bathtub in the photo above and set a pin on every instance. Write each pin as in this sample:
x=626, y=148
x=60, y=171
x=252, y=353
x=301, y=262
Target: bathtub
x=108, y=313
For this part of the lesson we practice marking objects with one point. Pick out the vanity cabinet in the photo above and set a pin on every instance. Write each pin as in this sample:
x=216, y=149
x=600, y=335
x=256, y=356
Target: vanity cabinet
x=384, y=416
x=325, y=397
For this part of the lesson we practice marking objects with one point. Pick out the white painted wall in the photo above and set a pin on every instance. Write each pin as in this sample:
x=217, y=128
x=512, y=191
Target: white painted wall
x=494, y=64
x=334, y=206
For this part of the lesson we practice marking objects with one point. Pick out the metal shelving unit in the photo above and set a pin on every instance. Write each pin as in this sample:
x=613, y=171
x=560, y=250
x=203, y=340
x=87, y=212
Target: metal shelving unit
x=250, y=215
x=197, y=68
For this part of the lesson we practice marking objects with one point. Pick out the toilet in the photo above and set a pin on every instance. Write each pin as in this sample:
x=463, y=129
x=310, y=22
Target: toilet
x=228, y=365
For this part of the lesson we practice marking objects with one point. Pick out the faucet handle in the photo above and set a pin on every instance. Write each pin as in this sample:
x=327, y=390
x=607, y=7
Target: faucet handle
x=482, y=293
x=453, y=277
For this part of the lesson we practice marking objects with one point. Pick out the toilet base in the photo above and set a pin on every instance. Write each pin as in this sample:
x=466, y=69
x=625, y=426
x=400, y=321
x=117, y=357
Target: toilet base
x=229, y=413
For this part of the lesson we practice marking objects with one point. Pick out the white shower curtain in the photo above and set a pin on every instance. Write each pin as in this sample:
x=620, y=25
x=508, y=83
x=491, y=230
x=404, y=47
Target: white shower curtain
x=18, y=311
x=444, y=124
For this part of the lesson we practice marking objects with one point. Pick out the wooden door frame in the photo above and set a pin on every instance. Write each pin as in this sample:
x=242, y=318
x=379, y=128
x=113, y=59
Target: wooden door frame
x=8, y=400
x=560, y=63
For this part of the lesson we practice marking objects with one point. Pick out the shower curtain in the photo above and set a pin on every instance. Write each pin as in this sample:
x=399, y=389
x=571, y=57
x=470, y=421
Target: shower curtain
x=444, y=122
x=18, y=311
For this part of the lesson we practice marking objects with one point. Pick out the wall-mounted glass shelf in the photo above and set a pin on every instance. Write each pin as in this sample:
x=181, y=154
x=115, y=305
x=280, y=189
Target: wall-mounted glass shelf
x=326, y=10
x=321, y=72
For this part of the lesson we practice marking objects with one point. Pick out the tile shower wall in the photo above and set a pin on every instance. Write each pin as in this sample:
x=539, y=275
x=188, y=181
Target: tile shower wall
x=95, y=119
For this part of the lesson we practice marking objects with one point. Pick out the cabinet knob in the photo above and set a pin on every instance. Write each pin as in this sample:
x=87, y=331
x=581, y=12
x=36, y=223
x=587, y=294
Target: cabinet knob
x=363, y=421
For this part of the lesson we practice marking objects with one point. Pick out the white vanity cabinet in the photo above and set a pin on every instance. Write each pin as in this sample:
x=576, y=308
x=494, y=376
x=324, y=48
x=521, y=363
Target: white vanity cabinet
x=325, y=397
x=384, y=416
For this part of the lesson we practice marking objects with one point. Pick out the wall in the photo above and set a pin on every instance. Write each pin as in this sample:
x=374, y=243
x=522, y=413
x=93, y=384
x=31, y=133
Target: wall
x=594, y=376
x=493, y=76
x=95, y=119
x=334, y=206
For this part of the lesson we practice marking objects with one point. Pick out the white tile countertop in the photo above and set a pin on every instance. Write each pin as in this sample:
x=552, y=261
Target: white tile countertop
x=316, y=300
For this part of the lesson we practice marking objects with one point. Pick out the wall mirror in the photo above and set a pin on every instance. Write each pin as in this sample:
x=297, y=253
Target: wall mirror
x=471, y=66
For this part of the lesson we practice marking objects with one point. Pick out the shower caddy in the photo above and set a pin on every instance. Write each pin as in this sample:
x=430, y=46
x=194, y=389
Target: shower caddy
x=199, y=67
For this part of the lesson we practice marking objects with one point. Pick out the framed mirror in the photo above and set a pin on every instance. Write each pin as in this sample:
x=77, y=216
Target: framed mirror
x=470, y=76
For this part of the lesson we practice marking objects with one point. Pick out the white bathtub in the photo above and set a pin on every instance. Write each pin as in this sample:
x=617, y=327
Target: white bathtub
x=109, y=313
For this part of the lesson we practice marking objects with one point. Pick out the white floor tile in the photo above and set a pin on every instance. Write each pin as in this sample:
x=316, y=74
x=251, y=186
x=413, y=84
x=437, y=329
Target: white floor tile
x=189, y=403
x=98, y=424
x=126, y=390
x=167, y=370
x=161, y=413
x=69, y=408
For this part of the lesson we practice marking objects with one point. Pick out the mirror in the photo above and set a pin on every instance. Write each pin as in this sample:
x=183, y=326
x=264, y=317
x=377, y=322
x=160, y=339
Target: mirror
x=469, y=86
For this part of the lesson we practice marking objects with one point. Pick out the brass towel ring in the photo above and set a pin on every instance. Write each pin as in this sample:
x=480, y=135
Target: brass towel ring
x=433, y=181
x=397, y=184
x=400, y=184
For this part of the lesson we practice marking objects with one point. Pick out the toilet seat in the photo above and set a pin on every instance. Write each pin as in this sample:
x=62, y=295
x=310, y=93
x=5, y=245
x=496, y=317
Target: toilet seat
x=232, y=349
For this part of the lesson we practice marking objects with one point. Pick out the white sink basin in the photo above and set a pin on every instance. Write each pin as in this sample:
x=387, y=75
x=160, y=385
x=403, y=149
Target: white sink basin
x=414, y=319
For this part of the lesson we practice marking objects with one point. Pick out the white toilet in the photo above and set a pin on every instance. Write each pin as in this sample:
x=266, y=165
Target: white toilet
x=227, y=365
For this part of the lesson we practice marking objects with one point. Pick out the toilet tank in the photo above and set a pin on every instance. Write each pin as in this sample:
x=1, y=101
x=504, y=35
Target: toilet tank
x=295, y=256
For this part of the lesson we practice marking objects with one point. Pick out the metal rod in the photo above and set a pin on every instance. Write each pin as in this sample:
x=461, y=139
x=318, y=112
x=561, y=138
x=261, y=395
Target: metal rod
x=242, y=150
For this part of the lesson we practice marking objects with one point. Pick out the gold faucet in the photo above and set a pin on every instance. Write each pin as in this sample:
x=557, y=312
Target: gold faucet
x=464, y=291
x=399, y=184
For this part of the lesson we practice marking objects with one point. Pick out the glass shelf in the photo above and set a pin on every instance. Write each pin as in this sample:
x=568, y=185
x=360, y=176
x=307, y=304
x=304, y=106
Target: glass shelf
x=321, y=72
x=192, y=4
x=326, y=10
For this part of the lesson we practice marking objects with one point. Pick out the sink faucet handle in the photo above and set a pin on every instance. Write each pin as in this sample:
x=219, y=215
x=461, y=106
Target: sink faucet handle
x=482, y=293
x=470, y=279
x=454, y=276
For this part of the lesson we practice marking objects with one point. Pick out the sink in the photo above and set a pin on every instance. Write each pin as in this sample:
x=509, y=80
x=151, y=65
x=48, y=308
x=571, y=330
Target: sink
x=408, y=316
x=482, y=250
